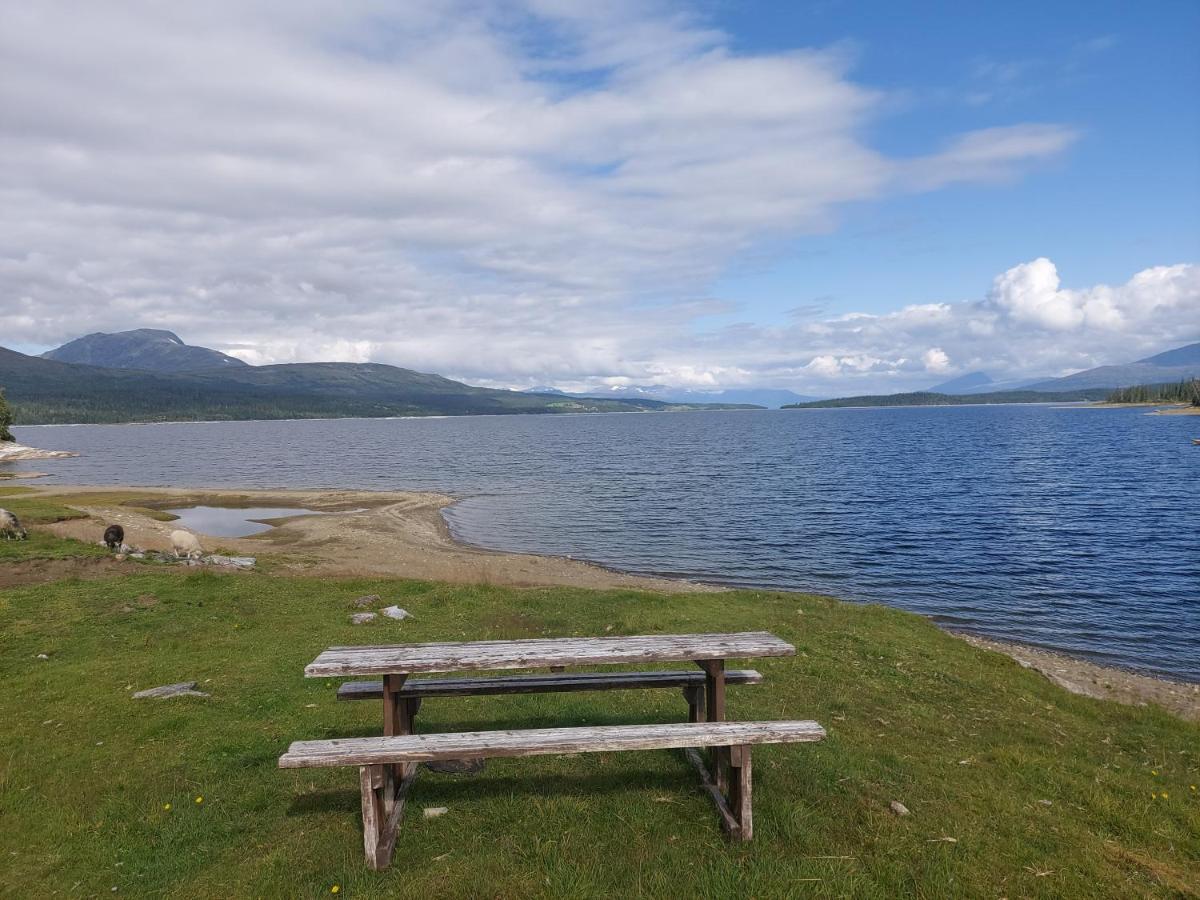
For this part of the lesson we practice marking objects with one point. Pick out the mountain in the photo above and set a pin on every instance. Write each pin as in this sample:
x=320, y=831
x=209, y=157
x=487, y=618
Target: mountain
x=929, y=398
x=44, y=390
x=963, y=384
x=146, y=349
x=1172, y=365
x=768, y=397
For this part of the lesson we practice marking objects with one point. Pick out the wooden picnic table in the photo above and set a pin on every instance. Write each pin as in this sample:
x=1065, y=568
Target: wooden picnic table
x=388, y=765
x=397, y=662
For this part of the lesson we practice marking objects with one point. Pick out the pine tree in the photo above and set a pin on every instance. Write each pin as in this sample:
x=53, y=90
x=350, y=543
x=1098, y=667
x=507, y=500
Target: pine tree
x=6, y=419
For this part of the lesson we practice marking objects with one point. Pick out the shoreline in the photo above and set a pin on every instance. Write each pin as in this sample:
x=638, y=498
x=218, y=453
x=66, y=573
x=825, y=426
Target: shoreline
x=12, y=451
x=402, y=534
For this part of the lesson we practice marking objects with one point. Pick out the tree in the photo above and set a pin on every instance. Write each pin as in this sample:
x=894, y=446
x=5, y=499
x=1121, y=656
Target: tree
x=6, y=419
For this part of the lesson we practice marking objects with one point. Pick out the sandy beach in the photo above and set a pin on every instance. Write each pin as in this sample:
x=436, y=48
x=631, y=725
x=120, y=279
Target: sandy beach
x=362, y=533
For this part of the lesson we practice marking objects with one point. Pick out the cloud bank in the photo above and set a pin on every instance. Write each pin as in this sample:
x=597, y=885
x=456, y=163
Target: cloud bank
x=508, y=193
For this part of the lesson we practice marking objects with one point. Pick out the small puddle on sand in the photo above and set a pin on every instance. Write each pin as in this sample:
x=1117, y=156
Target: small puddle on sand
x=220, y=521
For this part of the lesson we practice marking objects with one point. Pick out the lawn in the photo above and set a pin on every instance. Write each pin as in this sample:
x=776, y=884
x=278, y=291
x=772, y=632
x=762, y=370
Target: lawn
x=1015, y=787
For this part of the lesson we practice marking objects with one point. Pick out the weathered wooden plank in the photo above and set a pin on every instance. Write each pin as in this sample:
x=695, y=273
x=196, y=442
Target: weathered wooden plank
x=740, y=790
x=714, y=711
x=543, y=652
x=536, y=742
x=724, y=813
x=395, y=812
x=371, y=813
x=542, y=684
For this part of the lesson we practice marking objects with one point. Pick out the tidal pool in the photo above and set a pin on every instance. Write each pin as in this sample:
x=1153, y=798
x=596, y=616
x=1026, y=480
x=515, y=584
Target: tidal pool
x=221, y=521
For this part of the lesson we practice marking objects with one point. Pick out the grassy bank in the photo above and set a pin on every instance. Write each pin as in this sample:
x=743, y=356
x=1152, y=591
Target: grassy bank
x=1042, y=792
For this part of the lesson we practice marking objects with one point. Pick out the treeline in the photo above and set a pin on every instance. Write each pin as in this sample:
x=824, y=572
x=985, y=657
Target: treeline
x=1186, y=391
x=6, y=418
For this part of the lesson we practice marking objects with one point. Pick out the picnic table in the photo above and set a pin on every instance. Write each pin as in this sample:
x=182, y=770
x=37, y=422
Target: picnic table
x=388, y=764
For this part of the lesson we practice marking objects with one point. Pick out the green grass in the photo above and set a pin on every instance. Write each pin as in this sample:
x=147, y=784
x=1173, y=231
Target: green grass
x=969, y=741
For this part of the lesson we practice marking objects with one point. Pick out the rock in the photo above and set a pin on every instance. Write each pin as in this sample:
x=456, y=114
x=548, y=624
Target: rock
x=362, y=618
x=395, y=612
x=182, y=689
x=898, y=808
x=469, y=766
x=432, y=812
x=366, y=600
x=236, y=562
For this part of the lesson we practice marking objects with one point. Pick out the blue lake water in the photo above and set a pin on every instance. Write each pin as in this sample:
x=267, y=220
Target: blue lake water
x=1075, y=529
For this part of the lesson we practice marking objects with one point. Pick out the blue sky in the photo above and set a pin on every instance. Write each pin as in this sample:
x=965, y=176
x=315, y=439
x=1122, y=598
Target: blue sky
x=1126, y=196
x=830, y=197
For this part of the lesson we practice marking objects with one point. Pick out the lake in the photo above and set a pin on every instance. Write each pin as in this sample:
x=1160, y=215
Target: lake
x=1073, y=529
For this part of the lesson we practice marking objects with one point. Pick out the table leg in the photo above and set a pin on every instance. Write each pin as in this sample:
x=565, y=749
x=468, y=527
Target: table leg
x=714, y=711
x=396, y=718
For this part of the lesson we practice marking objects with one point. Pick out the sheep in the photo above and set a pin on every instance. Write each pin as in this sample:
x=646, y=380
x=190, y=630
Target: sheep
x=186, y=544
x=114, y=537
x=10, y=527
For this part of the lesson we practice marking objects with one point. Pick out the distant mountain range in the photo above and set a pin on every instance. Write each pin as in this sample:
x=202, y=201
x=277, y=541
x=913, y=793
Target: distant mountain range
x=1093, y=384
x=147, y=349
x=771, y=398
x=1172, y=365
x=48, y=390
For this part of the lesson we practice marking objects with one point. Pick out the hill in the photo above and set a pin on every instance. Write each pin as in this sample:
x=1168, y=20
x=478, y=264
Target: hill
x=964, y=384
x=147, y=349
x=1173, y=365
x=46, y=391
x=929, y=398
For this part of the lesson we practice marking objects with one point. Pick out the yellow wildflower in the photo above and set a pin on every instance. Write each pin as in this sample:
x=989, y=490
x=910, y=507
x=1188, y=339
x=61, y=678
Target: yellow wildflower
x=167, y=807
x=1165, y=795
x=199, y=799
x=334, y=889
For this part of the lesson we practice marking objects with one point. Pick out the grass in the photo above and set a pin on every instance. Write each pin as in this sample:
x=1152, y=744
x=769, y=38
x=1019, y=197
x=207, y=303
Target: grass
x=1043, y=793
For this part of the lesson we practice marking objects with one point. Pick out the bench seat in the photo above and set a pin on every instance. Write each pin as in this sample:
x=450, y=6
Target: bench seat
x=383, y=793
x=405, y=748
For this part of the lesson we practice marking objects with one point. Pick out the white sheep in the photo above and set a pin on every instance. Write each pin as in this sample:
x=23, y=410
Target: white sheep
x=10, y=527
x=186, y=544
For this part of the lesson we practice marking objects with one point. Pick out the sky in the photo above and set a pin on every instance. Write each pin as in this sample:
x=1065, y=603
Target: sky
x=830, y=197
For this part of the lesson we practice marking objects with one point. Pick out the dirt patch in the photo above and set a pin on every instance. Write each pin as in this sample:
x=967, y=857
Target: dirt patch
x=1102, y=682
x=35, y=571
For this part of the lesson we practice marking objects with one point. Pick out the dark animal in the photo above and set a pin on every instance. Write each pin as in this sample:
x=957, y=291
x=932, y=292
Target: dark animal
x=114, y=537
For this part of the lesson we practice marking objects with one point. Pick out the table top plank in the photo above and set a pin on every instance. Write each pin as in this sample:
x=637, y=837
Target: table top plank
x=460, y=656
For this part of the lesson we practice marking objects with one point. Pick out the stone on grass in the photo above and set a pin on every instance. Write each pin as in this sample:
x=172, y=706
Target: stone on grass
x=182, y=689
x=432, y=812
x=468, y=766
x=366, y=600
x=898, y=808
x=395, y=612
x=362, y=618
x=235, y=562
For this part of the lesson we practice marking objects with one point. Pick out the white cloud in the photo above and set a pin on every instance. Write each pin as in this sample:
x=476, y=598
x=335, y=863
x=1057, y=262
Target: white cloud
x=510, y=193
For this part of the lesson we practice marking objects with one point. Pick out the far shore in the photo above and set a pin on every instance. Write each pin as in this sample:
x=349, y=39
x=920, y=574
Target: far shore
x=403, y=535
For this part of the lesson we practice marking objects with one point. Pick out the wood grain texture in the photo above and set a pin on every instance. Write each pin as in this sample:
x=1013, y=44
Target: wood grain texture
x=543, y=652
x=542, y=684
x=724, y=813
x=535, y=742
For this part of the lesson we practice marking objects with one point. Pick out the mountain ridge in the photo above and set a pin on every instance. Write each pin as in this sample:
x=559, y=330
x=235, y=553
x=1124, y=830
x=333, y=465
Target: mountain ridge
x=141, y=349
x=49, y=391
